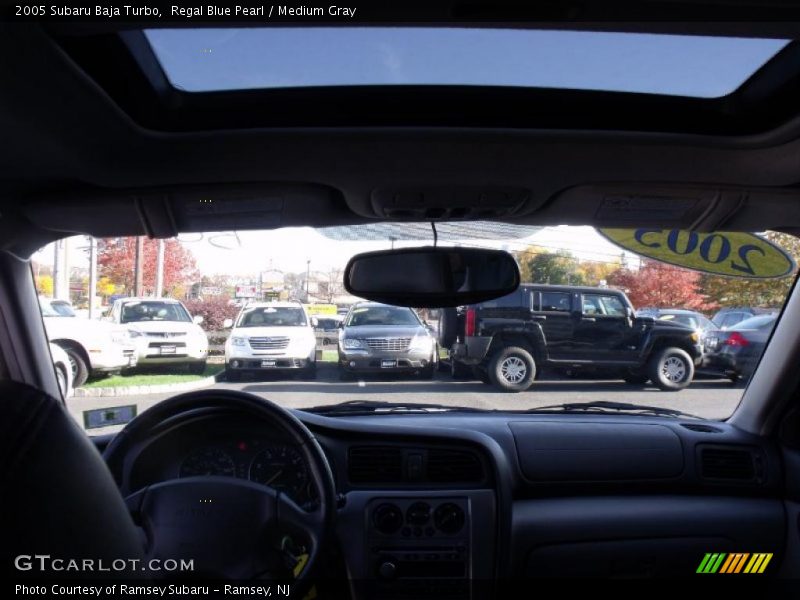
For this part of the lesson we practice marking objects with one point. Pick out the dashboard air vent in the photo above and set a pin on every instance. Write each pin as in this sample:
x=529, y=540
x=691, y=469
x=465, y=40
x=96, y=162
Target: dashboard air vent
x=701, y=428
x=375, y=464
x=732, y=464
x=453, y=466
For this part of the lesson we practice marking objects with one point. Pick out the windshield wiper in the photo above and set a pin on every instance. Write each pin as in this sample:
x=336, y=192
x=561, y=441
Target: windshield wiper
x=605, y=406
x=373, y=407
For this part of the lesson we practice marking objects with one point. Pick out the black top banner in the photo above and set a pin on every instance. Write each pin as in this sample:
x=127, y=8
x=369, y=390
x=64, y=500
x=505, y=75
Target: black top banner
x=355, y=12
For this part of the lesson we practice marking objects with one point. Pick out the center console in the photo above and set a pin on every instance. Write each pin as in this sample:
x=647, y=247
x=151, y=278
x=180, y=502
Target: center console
x=419, y=544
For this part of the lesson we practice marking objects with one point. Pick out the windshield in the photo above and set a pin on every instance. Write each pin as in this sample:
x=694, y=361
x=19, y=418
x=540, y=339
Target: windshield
x=381, y=315
x=756, y=322
x=269, y=306
x=135, y=312
x=268, y=316
x=48, y=310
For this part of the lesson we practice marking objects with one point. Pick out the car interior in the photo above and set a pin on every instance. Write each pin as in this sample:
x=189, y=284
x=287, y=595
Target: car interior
x=99, y=141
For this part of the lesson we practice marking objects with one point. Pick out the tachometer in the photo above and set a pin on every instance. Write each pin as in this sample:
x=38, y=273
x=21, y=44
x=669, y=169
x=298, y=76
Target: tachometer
x=208, y=461
x=282, y=468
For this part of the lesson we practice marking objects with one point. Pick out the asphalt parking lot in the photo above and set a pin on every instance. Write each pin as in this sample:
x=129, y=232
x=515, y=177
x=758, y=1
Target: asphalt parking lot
x=707, y=398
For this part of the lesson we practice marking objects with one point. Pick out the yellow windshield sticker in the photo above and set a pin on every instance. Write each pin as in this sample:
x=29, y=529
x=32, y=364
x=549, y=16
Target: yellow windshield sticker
x=731, y=254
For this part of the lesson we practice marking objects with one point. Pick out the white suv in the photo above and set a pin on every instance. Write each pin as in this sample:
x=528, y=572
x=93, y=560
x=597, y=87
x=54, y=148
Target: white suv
x=269, y=336
x=164, y=332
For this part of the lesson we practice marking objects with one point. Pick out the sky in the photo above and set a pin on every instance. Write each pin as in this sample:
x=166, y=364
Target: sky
x=207, y=59
x=245, y=253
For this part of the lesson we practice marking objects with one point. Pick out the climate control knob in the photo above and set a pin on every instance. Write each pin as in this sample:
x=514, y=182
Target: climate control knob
x=449, y=518
x=388, y=518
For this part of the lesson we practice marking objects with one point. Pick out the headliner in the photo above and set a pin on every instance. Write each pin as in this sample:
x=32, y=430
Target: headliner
x=73, y=157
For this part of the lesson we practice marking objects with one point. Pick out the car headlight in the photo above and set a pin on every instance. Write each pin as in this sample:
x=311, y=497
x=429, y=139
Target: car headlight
x=238, y=341
x=120, y=336
x=351, y=344
x=134, y=334
x=421, y=342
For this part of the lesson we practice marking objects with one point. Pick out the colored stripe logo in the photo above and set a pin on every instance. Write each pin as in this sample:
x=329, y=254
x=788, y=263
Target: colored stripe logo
x=736, y=562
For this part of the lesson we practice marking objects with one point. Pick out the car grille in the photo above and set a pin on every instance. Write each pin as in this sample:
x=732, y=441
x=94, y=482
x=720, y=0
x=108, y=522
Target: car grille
x=391, y=344
x=269, y=343
x=164, y=334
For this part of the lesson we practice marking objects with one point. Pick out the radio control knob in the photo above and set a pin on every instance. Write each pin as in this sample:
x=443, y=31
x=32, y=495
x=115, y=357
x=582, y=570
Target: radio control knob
x=449, y=518
x=387, y=570
x=388, y=518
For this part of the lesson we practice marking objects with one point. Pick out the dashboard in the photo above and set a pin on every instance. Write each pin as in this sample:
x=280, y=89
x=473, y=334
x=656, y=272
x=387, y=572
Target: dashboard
x=225, y=447
x=467, y=497
x=262, y=460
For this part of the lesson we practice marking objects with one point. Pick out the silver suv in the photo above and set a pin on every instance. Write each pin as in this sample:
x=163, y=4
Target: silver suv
x=382, y=338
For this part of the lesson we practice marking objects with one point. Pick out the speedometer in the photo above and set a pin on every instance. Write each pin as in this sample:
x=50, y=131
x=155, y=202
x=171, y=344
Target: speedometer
x=281, y=468
x=208, y=461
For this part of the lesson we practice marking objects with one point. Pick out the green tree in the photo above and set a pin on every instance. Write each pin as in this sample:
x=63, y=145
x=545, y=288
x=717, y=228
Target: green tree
x=540, y=265
x=737, y=291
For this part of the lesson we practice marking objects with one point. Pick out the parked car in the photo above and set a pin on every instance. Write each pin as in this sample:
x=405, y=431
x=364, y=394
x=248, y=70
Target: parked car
x=327, y=329
x=382, y=338
x=735, y=351
x=92, y=347
x=164, y=332
x=63, y=370
x=725, y=318
x=690, y=318
x=271, y=336
x=507, y=341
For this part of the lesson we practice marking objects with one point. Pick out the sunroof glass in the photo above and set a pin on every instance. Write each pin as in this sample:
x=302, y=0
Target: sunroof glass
x=202, y=60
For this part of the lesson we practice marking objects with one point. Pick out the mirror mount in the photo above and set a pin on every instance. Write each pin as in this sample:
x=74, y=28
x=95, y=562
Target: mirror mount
x=432, y=276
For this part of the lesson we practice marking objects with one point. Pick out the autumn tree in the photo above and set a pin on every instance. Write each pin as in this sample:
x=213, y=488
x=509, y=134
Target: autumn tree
x=116, y=259
x=660, y=285
x=331, y=284
x=44, y=285
x=737, y=291
x=540, y=265
x=595, y=272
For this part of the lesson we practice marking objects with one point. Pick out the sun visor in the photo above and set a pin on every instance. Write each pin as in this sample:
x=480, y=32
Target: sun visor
x=167, y=212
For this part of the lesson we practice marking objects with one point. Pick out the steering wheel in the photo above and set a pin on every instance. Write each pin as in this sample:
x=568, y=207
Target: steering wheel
x=229, y=527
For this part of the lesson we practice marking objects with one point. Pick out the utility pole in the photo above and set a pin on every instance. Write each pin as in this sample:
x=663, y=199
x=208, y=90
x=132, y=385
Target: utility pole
x=92, y=274
x=139, y=258
x=57, y=268
x=308, y=275
x=66, y=276
x=160, y=269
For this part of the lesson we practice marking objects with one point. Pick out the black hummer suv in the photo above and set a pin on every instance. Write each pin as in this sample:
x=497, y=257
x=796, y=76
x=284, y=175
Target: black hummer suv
x=508, y=341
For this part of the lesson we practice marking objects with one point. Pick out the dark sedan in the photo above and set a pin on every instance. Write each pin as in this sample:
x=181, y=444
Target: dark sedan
x=735, y=352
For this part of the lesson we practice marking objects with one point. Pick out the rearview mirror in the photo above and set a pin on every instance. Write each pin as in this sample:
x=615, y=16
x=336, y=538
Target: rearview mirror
x=227, y=323
x=431, y=277
x=198, y=319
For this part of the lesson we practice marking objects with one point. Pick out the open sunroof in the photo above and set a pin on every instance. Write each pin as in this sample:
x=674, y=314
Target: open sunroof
x=204, y=60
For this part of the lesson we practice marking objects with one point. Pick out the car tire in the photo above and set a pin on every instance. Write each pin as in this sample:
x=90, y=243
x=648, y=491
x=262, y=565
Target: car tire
x=80, y=370
x=427, y=372
x=481, y=374
x=197, y=368
x=310, y=371
x=512, y=369
x=460, y=370
x=61, y=379
x=231, y=375
x=448, y=327
x=671, y=369
x=635, y=378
